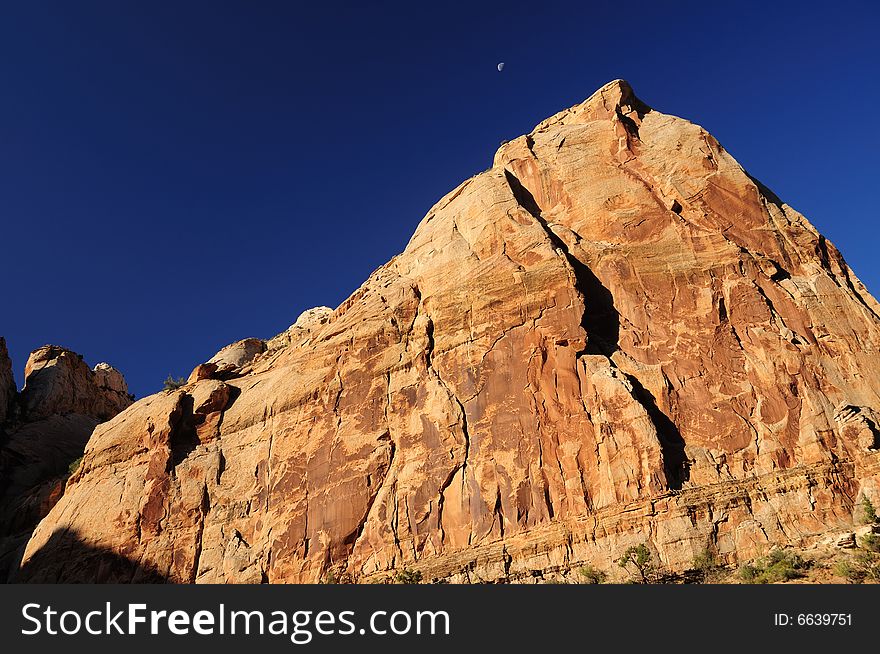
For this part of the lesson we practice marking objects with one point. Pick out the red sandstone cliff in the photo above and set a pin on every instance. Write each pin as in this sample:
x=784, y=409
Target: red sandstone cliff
x=613, y=335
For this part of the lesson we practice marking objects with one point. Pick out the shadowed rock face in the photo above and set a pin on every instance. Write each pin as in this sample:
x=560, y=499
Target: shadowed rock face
x=44, y=430
x=614, y=335
x=7, y=382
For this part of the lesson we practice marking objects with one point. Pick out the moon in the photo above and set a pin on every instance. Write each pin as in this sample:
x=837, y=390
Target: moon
x=500, y=66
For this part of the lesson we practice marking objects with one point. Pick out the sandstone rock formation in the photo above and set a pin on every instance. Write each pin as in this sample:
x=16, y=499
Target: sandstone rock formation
x=44, y=431
x=308, y=322
x=58, y=381
x=612, y=336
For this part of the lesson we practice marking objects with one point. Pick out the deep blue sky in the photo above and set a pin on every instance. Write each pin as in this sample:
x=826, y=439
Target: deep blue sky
x=175, y=176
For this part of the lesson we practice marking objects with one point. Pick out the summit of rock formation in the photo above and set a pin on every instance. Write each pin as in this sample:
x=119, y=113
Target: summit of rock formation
x=613, y=336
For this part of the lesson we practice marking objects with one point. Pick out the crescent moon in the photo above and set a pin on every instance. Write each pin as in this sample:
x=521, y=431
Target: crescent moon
x=500, y=66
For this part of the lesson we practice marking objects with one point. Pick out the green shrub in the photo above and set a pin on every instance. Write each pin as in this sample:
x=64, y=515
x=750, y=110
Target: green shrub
x=592, y=575
x=407, y=576
x=331, y=577
x=850, y=571
x=706, y=565
x=73, y=466
x=172, y=384
x=639, y=564
x=868, y=515
x=748, y=573
x=784, y=566
x=870, y=563
x=705, y=561
x=870, y=542
x=862, y=566
x=778, y=566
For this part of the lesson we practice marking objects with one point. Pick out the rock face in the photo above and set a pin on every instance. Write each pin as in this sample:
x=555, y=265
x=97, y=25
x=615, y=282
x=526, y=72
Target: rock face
x=45, y=429
x=233, y=358
x=58, y=381
x=7, y=382
x=613, y=336
x=308, y=323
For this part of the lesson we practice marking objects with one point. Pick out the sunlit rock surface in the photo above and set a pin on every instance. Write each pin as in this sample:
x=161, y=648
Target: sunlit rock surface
x=612, y=336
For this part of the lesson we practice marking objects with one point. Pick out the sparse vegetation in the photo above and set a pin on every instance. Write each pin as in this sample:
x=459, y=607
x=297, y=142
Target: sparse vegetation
x=639, y=563
x=707, y=566
x=172, y=384
x=779, y=566
x=331, y=577
x=849, y=570
x=864, y=565
x=407, y=576
x=704, y=561
x=860, y=567
x=867, y=514
x=870, y=543
x=592, y=575
x=73, y=466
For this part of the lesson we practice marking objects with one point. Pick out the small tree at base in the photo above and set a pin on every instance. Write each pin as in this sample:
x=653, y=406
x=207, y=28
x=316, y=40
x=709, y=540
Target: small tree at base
x=868, y=512
x=638, y=562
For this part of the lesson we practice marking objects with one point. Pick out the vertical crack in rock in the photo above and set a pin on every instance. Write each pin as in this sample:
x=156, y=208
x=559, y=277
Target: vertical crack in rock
x=432, y=370
x=362, y=523
x=499, y=512
x=675, y=462
x=204, y=508
x=601, y=322
x=306, y=519
x=446, y=483
x=453, y=398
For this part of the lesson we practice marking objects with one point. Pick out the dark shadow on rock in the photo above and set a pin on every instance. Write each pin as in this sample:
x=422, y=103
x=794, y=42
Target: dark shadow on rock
x=35, y=461
x=675, y=461
x=601, y=321
x=65, y=559
x=183, y=438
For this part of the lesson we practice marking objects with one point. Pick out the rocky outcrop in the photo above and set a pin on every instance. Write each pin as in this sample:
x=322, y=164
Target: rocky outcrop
x=860, y=424
x=308, y=322
x=53, y=418
x=232, y=359
x=58, y=381
x=612, y=336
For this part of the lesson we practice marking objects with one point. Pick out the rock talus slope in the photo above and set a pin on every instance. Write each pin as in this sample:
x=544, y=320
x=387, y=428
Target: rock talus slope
x=612, y=336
